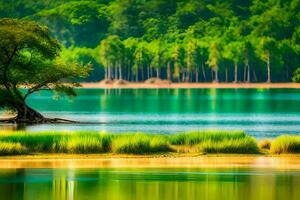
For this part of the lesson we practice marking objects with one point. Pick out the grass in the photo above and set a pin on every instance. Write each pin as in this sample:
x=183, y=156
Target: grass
x=233, y=142
x=7, y=148
x=140, y=144
x=286, y=144
x=23, y=142
x=197, y=137
x=246, y=145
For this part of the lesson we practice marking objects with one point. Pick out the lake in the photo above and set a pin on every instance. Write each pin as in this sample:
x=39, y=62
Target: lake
x=259, y=112
x=152, y=184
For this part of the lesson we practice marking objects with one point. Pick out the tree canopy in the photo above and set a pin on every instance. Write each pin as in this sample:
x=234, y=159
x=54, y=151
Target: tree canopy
x=29, y=57
x=181, y=40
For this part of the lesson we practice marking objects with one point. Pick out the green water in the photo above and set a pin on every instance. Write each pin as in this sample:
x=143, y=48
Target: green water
x=167, y=184
x=260, y=112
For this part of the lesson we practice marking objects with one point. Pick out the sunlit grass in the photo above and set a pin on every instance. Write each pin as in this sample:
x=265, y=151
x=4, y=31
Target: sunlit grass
x=246, y=145
x=286, y=144
x=140, y=144
x=7, y=148
x=196, y=137
x=126, y=143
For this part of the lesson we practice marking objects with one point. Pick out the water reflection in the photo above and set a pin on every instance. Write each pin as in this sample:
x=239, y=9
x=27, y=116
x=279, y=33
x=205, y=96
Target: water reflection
x=148, y=184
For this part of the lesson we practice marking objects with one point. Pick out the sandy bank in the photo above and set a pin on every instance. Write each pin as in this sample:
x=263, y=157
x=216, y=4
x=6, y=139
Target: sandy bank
x=287, y=162
x=192, y=85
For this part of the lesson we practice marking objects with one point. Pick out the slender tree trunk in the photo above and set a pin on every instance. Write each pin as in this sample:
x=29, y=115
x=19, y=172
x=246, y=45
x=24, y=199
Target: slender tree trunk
x=245, y=72
x=109, y=73
x=151, y=72
x=169, y=71
x=187, y=76
x=148, y=71
x=142, y=72
x=105, y=73
x=254, y=75
x=226, y=74
x=247, y=69
x=157, y=73
x=248, y=76
x=120, y=73
x=235, y=72
x=137, y=75
x=197, y=75
x=203, y=72
x=217, y=75
x=269, y=69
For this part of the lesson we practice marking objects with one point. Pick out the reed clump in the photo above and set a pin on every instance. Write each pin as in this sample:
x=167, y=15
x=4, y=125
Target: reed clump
x=140, y=144
x=286, y=144
x=25, y=142
x=8, y=148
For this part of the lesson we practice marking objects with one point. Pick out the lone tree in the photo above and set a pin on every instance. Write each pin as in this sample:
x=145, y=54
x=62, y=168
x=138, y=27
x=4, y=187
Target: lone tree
x=29, y=58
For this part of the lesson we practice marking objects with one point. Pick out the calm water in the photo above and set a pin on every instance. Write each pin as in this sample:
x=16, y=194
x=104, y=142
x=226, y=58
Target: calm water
x=260, y=112
x=213, y=184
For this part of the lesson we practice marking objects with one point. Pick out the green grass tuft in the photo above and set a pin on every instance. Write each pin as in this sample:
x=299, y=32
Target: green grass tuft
x=7, y=148
x=286, y=144
x=197, y=137
x=128, y=143
x=140, y=144
x=245, y=145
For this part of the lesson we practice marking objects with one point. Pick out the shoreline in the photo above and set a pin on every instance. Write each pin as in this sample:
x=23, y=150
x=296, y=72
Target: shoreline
x=141, y=85
x=187, y=161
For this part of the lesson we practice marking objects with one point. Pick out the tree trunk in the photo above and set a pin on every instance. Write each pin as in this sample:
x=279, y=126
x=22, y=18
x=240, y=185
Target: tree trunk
x=235, y=72
x=28, y=115
x=169, y=71
x=137, y=75
x=269, y=69
x=109, y=73
x=248, y=76
x=226, y=74
x=148, y=72
x=120, y=73
x=245, y=72
x=197, y=75
x=217, y=75
x=157, y=73
x=203, y=72
x=255, y=77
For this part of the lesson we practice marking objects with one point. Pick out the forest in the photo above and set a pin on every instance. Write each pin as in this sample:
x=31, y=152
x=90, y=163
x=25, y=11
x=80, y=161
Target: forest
x=177, y=40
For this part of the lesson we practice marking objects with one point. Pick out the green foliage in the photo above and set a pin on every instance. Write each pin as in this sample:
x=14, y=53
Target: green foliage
x=29, y=58
x=286, y=144
x=296, y=77
x=184, y=38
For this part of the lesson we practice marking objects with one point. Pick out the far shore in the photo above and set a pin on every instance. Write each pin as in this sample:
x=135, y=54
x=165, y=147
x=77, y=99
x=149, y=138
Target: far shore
x=141, y=85
x=283, y=162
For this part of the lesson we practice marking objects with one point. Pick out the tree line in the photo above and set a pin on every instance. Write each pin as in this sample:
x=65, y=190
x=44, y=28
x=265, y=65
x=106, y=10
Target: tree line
x=178, y=40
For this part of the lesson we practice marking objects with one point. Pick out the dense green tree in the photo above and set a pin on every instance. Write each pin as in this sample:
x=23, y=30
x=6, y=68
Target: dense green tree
x=29, y=58
x=256, y=40
x=214, y=59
